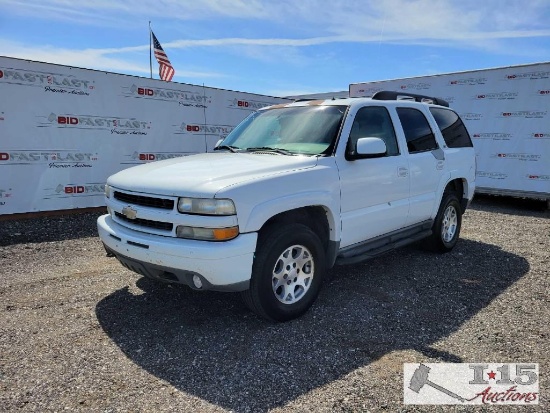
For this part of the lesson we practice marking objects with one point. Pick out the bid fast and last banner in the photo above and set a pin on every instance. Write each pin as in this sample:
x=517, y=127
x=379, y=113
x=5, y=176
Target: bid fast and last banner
x=64, y=130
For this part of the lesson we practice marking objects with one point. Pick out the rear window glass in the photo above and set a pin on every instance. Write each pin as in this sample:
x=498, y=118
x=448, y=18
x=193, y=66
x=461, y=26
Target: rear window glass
x=452, y=128
x=418, y=133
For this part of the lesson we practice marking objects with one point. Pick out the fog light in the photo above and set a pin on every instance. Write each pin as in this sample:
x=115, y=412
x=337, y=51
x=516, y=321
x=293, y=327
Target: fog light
x=197, y=281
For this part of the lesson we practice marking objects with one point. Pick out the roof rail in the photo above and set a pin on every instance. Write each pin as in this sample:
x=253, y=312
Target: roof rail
x=390, y=95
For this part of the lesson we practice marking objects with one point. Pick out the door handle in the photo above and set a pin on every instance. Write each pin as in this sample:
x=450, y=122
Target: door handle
x=402, y=172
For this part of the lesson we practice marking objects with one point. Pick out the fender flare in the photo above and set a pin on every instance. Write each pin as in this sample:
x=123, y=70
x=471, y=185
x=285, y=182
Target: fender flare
x=264, y=211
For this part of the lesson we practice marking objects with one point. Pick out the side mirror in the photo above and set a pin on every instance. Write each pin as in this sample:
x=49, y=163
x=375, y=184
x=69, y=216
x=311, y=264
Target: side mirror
x=369, y=148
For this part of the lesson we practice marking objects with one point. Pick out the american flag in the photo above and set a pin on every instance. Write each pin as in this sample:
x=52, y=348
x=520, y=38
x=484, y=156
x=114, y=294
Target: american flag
x=166, y=71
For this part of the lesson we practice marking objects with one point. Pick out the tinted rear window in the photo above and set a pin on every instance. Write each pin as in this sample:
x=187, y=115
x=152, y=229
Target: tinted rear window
x=452, y=128
x=418, y=133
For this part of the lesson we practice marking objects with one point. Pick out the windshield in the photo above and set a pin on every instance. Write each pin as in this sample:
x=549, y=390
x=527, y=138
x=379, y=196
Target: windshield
x=309, y=130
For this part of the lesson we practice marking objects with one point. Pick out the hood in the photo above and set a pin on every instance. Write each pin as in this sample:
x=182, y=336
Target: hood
x=203, y=175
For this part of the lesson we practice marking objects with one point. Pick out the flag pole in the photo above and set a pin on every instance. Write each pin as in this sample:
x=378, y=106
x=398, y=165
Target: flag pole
x=150, y=57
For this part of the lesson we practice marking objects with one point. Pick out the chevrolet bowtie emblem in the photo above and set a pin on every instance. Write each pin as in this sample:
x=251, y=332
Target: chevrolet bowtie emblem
x=129, y=212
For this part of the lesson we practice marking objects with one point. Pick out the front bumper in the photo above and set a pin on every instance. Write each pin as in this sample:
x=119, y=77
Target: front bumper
x=221, y=266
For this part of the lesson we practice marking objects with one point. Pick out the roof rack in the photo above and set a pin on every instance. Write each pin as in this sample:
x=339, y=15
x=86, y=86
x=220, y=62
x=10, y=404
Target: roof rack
x=390, y=95
x=317, y=98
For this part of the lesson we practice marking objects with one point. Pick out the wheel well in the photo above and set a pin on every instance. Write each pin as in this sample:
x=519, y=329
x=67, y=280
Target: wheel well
x=313, y=217
x=457, y=186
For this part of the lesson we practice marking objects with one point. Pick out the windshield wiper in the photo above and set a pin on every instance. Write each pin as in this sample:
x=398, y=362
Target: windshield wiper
x=228, y=147
x=268, y=148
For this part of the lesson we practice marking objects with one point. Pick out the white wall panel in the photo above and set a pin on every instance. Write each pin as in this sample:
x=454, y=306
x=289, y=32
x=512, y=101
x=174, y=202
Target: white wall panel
x=64, y=130
x=506, y=111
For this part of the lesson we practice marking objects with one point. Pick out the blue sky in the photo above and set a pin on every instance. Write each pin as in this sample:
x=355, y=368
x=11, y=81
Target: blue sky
x=280, y=47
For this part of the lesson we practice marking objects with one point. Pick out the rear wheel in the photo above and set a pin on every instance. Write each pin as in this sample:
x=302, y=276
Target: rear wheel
x=446, y=228
x=287, y=274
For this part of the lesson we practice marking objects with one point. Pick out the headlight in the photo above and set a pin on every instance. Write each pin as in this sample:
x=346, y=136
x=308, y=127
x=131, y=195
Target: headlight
x=207, y=234
x=206, y=206
x=107, y=191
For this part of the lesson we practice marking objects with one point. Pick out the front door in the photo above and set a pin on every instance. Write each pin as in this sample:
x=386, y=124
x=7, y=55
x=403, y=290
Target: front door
x=374, y=191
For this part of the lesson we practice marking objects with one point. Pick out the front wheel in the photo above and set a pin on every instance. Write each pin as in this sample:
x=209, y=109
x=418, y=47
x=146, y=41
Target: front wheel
x=287, y=274
x=446, y=228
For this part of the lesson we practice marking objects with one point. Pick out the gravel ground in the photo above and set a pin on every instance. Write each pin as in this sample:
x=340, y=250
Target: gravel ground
x=79, y=332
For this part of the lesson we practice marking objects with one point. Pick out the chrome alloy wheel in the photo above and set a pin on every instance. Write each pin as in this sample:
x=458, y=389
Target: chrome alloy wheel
x=292, y=274
x=450, y=222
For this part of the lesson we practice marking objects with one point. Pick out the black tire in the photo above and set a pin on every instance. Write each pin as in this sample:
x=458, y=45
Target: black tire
x=447, y=224
x=268, y=296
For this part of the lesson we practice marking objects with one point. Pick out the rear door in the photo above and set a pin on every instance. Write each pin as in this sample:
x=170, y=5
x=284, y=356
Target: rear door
x=426, y=163
x=459, y=151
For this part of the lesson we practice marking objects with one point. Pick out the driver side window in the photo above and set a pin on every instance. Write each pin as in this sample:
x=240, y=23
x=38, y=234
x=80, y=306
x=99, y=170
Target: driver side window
x=374, y=122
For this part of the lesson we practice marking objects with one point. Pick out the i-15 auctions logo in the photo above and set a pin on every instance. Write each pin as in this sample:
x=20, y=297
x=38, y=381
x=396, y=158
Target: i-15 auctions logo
x=471, y=383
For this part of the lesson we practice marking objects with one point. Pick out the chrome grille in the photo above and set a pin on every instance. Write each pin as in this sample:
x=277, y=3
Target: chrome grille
x=147, y=201
x=163, y=226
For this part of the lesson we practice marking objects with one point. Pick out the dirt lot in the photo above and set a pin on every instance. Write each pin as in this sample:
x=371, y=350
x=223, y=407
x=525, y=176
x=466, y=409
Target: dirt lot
x=80, y=332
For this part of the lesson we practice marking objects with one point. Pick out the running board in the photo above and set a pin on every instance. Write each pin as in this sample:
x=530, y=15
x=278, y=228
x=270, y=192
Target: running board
x=383, y=244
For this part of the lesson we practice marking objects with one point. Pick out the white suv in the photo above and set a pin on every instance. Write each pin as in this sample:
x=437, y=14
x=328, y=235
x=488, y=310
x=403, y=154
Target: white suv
x=293, y=190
